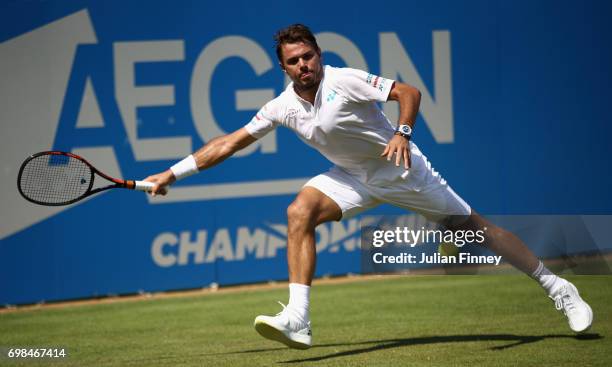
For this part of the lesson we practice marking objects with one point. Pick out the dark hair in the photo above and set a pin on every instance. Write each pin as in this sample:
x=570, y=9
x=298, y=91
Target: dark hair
x=294, y=33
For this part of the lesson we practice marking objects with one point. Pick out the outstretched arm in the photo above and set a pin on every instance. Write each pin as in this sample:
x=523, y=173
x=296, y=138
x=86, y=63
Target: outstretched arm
x=222, y=147
x=409, y=99
x=212, y=153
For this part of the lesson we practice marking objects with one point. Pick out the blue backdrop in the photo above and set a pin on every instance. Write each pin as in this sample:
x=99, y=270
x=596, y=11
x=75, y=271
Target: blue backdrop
x=515, y=117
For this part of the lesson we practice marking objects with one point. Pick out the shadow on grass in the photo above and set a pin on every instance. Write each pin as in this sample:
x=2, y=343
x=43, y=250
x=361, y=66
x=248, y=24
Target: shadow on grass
x=384, y=344
x=376, y=345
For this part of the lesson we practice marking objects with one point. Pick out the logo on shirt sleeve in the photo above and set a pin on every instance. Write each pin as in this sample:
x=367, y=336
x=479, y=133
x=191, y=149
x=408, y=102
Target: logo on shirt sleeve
x=376, y=82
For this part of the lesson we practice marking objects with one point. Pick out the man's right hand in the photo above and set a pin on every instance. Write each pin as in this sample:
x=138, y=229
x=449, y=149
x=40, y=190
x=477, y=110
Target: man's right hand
x=163, y=180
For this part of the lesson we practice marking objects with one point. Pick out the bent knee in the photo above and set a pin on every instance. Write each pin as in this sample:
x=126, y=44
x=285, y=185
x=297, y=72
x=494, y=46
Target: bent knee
x=302, y=211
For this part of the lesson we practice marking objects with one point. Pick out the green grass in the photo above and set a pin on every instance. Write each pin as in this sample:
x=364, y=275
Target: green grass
x=420, y=321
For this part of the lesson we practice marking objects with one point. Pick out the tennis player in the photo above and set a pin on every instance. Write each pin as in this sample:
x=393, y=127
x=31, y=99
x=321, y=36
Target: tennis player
x=335, y=111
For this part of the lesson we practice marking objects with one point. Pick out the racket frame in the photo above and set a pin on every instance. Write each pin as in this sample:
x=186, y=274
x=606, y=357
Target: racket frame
x=117, y=183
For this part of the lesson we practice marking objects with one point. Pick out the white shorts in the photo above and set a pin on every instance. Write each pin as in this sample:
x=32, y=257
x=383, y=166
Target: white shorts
x=420, y=189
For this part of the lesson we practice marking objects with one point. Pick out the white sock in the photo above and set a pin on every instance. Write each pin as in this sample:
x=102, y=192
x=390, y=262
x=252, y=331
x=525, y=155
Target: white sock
x=549, y=281
x=299, y=299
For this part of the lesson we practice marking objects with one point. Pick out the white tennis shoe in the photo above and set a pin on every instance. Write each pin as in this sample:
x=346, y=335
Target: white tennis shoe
x=578, y=312
x=286, y=327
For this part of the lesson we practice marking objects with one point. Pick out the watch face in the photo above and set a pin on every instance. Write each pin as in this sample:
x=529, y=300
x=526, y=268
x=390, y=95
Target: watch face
x=406, y=129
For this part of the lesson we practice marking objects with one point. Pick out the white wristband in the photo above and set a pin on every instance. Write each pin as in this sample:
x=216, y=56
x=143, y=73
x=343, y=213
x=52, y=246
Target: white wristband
x=185, y=168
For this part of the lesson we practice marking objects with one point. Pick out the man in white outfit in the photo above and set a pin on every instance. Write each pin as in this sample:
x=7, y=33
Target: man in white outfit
x=335, y=111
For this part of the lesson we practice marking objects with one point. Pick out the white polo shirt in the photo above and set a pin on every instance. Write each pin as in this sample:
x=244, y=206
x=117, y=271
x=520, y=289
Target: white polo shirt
x=345, y=124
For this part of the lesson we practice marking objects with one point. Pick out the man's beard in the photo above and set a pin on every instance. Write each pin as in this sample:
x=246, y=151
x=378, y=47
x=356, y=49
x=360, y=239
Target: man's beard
x=303, y=87
x=312, y=84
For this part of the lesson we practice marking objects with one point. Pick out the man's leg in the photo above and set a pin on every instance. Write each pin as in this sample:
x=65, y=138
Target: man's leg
x=438, y=202
x=502, y=242
x=292, y=326
x=513, y=250
x=310, y=208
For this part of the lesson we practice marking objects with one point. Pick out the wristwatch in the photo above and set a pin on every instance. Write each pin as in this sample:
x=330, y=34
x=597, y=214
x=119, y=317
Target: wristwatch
x=404, y=130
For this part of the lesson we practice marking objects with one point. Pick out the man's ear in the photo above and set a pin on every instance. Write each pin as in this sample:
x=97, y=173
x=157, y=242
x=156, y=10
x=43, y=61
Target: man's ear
x=282, y=67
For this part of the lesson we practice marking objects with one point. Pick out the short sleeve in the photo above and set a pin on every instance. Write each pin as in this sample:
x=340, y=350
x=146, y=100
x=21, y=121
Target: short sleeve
x=263, y=122
x=360, y=86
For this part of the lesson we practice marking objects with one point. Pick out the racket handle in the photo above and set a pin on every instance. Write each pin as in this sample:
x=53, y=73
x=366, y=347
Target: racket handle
x=143, y=186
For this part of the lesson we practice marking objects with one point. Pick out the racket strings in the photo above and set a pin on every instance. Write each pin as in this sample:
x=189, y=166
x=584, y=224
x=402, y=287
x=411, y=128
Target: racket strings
x=55, y=179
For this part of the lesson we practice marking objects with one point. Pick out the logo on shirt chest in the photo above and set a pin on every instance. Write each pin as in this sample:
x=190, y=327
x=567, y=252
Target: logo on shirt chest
x=292, y=115
x=331, y=96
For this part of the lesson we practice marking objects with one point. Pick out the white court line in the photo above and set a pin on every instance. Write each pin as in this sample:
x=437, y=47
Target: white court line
x=230, y=190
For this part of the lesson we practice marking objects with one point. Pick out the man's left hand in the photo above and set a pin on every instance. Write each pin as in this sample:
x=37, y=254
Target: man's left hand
x=399, y=146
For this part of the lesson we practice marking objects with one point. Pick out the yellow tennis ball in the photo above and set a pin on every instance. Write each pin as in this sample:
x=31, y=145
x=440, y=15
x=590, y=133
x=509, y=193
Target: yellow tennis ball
x=448, y=249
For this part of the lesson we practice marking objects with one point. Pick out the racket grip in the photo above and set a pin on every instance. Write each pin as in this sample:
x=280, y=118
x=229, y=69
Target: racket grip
x=143, y=185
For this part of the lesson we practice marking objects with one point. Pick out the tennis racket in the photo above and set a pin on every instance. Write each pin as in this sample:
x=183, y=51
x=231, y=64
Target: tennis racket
x=58, y=178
